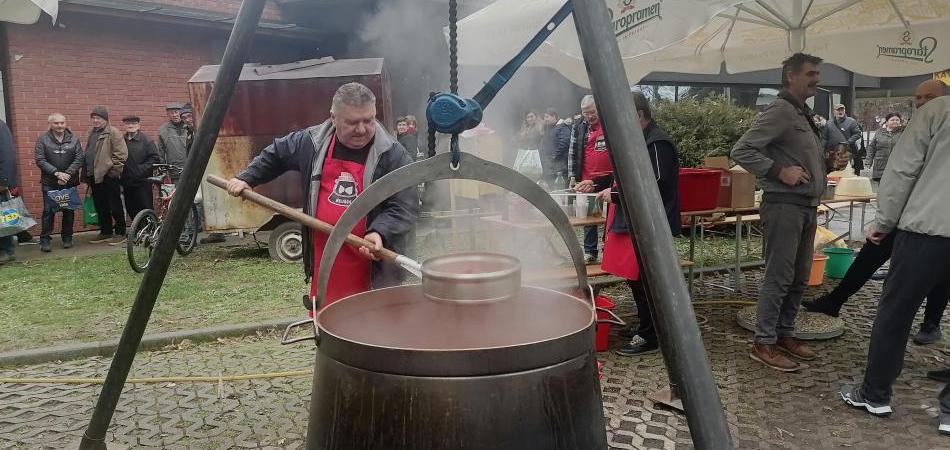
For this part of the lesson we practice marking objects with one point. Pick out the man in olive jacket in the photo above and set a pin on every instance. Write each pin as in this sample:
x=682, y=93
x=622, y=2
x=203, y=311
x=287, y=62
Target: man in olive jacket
x=104, y=161
x=58, y=154
x=783, y=148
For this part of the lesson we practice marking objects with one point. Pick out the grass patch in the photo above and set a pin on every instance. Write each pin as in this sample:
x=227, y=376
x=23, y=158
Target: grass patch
x=55, y=301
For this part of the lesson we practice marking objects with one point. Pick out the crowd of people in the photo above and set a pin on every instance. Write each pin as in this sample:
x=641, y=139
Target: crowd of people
x=788, y=147
x=791, y=150
x=114, y=164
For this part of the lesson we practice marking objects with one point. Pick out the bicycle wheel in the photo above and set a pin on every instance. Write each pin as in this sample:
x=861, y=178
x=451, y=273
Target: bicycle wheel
x=141, y=239
x=188, y=239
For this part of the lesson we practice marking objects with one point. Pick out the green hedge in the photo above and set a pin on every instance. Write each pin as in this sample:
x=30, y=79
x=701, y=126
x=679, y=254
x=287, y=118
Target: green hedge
x=703, y=127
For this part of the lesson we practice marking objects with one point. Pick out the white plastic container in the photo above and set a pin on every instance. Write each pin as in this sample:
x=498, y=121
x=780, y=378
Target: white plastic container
x=854, y=187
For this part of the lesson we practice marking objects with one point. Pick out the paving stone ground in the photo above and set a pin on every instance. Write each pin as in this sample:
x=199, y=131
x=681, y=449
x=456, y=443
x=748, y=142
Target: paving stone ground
x=765, y=409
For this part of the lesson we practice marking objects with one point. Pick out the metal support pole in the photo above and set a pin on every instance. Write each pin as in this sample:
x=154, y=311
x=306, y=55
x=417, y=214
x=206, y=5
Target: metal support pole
x=679, y=336
x=852, y=96
x=239, y=44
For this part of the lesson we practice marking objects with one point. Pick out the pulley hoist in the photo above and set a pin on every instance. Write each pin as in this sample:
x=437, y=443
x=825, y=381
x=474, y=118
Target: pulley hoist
x=448, y=112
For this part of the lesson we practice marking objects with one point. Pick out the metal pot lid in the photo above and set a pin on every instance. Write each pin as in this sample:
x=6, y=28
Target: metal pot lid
x=470, y=316
x=404, y=318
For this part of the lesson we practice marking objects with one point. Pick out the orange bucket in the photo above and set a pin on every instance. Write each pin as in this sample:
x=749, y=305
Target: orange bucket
x=817, y=276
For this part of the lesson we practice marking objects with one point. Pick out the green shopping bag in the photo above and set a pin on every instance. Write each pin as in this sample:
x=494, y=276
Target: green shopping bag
x=89, y=215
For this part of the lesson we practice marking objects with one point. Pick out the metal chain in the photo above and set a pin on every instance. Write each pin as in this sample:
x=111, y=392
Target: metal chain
x=454, y=73
x=453, y=47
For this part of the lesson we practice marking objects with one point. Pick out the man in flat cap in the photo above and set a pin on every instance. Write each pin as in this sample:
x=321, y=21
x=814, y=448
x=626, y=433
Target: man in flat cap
x=103, y=165
x=142, y=156
x=172, y=139
x=844, y=129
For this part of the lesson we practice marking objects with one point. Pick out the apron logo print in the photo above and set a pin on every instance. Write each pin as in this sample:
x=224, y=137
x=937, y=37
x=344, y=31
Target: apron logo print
x=344, y=190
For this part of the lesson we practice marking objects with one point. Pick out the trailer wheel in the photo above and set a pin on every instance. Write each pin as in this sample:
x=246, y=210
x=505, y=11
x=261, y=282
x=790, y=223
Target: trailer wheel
x=286, y=242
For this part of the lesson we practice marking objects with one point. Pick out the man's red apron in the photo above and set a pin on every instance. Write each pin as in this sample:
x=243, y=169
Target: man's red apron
x=620, y=259
x=596, y=158
x=340, y=183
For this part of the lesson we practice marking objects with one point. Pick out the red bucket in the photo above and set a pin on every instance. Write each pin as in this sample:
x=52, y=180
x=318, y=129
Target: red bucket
x=603, y=329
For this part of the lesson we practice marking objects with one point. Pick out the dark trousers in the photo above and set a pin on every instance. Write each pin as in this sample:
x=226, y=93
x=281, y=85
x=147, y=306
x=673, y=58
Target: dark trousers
x=590, y=240
x=7, y=246
x=789, y=251
x=50, y=208
x=137, y=198
x=871, y=257
x=918, y=267
x=645, y=329
x=108, y=199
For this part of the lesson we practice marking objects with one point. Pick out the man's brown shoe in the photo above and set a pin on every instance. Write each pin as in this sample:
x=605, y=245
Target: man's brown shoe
x=794, y=347
x=769, y=355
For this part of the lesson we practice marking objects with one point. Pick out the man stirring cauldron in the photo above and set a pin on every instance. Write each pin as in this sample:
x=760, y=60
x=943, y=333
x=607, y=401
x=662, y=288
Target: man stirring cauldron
x=339, y=158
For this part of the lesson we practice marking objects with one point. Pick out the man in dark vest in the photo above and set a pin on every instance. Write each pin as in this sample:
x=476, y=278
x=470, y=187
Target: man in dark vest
x=619, y=255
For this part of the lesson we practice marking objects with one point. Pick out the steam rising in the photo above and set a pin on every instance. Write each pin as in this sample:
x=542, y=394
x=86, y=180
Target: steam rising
x=409, y=34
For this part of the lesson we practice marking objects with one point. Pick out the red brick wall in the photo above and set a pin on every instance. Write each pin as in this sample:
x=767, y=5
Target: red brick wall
x=132, y=67
x=271, y=10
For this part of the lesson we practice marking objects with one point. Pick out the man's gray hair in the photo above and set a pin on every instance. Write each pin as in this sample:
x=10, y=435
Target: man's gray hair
x=52, y=117
x=588, y=100
x=352, y=94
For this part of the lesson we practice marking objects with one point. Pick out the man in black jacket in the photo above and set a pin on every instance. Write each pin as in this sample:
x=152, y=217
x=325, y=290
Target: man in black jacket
x=58, y=154
x=841, y=129
x=8, y=181
x=555, y=146
x=664, y=159
x=143, y=154
x=337, y=160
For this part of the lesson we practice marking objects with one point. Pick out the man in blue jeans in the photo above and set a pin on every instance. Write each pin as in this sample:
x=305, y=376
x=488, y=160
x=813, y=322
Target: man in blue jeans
x=590, y=160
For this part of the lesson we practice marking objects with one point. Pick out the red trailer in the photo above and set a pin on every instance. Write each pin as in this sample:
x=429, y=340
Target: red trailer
x=270, y=102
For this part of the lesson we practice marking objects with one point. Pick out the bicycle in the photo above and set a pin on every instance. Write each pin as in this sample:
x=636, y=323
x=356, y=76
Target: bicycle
x=147, y=224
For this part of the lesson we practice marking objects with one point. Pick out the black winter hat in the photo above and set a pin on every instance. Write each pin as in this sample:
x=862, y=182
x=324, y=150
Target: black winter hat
x=100, y=111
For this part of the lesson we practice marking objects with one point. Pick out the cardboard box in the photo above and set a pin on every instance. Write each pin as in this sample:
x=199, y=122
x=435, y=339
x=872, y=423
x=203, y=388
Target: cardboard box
x=736, y=186
x=716, y=162
x=736, y=189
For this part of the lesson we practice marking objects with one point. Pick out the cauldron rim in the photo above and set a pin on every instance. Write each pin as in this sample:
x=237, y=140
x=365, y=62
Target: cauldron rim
x=471, y=361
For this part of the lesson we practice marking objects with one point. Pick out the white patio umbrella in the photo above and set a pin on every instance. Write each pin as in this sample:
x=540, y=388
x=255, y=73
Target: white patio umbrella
x=885, y=38
x=882, y=38
x=27, y=11
x=496, y=33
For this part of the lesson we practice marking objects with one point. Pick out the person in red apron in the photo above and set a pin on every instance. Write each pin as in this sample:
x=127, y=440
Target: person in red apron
x=341, y=182
x=591, y=161
x=337, y=160
x=620, y=258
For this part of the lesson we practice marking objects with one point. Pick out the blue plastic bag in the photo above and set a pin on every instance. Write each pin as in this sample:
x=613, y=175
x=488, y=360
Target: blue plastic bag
x=66, y=198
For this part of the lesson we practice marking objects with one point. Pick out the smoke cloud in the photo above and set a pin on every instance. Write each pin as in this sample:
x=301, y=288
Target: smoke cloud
x=409, y=34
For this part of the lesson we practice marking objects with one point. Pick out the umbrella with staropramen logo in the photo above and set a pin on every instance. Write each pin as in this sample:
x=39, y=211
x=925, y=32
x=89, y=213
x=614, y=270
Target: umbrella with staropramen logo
x=885, y=38
x=493, y=35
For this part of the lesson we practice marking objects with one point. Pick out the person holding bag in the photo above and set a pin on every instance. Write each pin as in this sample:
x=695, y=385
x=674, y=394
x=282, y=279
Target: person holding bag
x=8, y=179
x=58, y=154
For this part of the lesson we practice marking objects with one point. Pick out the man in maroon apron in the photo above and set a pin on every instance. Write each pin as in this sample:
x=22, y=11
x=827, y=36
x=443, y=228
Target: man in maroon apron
x=337, y=159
